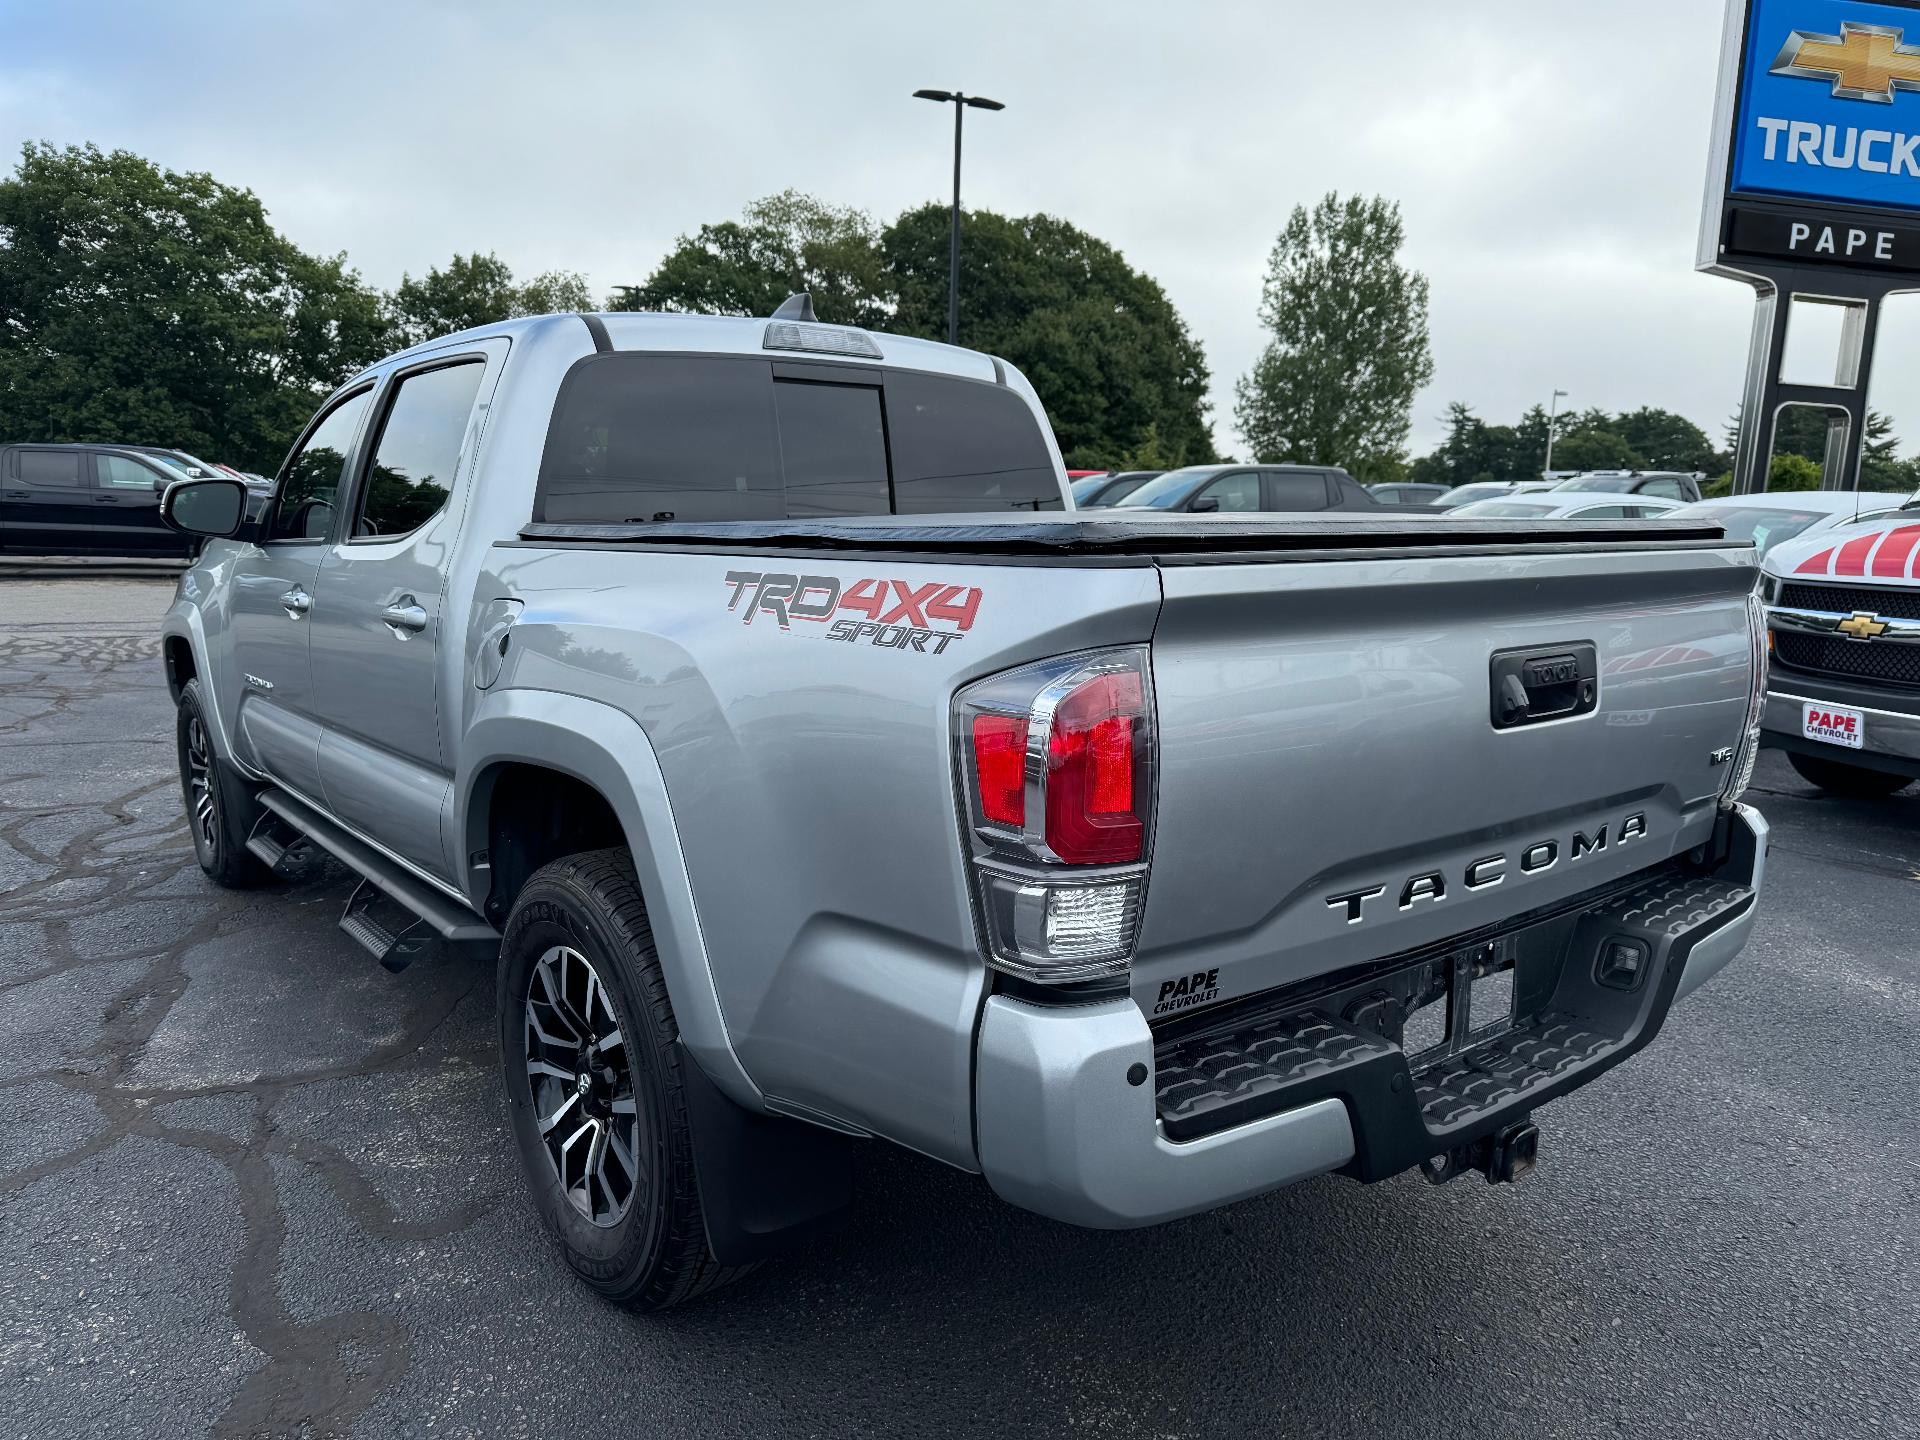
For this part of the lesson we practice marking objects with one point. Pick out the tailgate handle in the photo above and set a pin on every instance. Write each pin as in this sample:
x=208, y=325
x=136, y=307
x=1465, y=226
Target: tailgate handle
x=1546, y=682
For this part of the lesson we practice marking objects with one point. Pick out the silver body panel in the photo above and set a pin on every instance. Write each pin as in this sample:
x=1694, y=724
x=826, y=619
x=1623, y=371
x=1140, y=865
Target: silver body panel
x=791, y=802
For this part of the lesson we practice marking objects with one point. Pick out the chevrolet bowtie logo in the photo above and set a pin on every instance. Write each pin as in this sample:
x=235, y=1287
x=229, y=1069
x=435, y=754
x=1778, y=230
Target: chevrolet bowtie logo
x=1863, y=62
x=1862, y=626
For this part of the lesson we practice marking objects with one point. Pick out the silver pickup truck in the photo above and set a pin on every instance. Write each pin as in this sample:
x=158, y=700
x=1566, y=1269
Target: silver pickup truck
x=751, y=691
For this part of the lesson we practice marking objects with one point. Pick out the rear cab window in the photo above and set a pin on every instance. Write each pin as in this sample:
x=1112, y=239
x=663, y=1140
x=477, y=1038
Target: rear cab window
x=650, y=437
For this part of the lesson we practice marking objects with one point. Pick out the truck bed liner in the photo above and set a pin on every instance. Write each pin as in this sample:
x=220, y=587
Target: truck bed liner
x=1160, y=537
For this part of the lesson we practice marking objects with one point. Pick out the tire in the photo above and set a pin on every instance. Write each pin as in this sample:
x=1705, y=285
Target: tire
x=577, y=961
x=1854, y=781
x=221, y=809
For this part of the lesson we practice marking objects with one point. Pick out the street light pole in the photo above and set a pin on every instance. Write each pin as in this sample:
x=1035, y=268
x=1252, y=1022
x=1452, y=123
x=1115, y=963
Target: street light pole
x=1553, y=416
x=960, y=103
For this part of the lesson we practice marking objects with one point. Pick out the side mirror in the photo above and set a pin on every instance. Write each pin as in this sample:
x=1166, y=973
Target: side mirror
x=1204, y=507
x=205, y=507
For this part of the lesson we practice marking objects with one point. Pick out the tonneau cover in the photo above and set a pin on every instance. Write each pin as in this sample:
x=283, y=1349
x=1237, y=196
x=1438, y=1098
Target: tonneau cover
x=1078, y=534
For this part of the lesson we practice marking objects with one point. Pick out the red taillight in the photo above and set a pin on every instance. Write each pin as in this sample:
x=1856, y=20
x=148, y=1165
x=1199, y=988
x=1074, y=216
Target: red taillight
x=1095, y=814
x=1000, y=762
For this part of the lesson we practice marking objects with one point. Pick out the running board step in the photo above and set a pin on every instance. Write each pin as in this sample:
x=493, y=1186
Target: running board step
x=275, y=842
x=392, y=913
x=390, y=932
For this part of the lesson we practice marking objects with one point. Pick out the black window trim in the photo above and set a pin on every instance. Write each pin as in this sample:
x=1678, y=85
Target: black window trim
x=271, y=511
x=793, y=367
x=354, y=484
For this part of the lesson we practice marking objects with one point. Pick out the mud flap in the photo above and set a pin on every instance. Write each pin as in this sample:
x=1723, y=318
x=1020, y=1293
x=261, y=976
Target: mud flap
x=767, y=1183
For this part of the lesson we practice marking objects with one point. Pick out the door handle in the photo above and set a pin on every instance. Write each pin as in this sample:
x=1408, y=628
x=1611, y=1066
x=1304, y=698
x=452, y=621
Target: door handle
x=297, y=603
x=106, y=499
x=19, y=495
x=404, y=617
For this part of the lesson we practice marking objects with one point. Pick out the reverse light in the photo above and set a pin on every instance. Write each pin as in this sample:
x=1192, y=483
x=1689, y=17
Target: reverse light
x=1057, y=771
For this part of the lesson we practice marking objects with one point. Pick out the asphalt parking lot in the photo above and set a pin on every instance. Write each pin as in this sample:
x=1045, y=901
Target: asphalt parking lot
x=252, y=1184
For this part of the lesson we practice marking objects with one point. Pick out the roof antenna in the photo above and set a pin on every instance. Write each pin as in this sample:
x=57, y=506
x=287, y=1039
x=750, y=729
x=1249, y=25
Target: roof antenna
x=797, y=306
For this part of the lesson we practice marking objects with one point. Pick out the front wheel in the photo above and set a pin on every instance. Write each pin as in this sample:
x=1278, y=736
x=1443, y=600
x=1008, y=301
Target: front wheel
x=594, y=1085
x=220, y=810
x=1854, y=781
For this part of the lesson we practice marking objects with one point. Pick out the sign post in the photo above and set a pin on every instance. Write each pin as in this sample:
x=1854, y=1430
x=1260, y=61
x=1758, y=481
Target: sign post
x=1813, y=198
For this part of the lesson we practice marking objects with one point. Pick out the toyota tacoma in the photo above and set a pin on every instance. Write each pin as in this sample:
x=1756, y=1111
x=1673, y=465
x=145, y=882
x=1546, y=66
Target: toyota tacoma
x=750, y=694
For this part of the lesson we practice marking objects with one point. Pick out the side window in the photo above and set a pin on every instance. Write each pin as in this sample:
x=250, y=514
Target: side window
x=117, y=472
x=833, y=448
x=310, y=480
x=61, y=468
x=1610, y=512
x=662, y=437
x=418, y=450
x=1234, y=492
x=1298, y=490
x=1664, y=489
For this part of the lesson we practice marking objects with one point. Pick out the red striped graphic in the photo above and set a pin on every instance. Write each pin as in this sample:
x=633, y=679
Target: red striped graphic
x=1891, y=560
x=1852, y=559
x=1817, y=565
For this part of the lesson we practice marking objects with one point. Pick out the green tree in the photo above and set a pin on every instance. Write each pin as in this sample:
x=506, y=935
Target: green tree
x=1662, y=440
x=147, y=306
x=1103, y=346
x=1105, y=349
x=1349, y=351
x=477, y=290
x=1793, y=472
x=786, y=243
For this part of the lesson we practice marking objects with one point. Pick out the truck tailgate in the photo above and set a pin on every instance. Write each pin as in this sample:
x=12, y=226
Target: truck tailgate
x=1333, y=788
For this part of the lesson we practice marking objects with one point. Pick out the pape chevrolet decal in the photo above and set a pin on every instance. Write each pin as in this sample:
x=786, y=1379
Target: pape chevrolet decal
x=895, y=614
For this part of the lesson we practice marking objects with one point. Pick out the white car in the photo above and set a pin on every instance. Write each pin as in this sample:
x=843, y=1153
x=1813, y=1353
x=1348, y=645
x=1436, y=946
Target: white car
x=1487, y=490
x=1563, y=505
x=1770, y=518
x=1844, y=697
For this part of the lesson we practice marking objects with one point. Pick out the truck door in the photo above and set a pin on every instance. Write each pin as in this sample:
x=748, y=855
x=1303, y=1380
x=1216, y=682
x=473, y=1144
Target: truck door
x=385, y=650
x=45, y=504
x=272, y=598
x=126, y=508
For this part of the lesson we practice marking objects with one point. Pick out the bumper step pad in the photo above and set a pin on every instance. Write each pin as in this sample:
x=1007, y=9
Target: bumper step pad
x=1575, y=1015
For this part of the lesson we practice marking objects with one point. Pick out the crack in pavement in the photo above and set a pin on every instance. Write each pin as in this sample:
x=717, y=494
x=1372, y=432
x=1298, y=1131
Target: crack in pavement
x=128, y=850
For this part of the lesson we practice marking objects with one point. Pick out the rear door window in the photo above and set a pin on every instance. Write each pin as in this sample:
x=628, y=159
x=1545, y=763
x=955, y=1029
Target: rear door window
x=60, y=469
x=640, y=437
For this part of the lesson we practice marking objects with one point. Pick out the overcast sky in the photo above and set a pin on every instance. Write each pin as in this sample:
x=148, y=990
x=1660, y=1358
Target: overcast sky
x=1549, y=156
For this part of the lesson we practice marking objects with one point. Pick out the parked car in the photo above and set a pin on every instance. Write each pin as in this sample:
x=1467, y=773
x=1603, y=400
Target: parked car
x=1772, y=517
x=1661, y=484
x=1843, y=605
x=1122, y=859
x=1099, y=491
x=1488, y=490
x=1251, y=489
x=1554, y=506
x=86, y=500
x=1403, y=492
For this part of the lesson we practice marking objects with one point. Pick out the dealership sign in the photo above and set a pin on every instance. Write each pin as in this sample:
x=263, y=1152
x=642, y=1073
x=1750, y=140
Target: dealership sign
x=1817, y=137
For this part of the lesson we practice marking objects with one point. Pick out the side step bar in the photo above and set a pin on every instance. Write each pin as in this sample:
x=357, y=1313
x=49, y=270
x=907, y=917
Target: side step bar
x=391, y=913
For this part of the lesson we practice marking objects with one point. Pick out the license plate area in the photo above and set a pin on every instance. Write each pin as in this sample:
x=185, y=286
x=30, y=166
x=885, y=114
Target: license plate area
x=1455, y=1002
x=1834, y=724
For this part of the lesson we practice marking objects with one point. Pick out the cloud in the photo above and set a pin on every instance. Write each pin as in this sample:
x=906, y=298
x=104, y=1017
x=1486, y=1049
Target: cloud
x=1549, y=157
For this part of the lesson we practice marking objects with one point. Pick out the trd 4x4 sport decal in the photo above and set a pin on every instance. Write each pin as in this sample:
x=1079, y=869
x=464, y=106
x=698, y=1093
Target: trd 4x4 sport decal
x=898, y=615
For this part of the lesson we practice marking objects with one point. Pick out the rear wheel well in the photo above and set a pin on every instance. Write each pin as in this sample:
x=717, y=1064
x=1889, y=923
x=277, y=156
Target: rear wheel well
x=180, y=667
x=535, y=816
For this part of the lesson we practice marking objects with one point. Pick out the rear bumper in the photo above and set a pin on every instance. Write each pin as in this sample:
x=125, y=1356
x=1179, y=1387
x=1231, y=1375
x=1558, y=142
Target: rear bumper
x=1268, y=1098
x=1892, y=739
